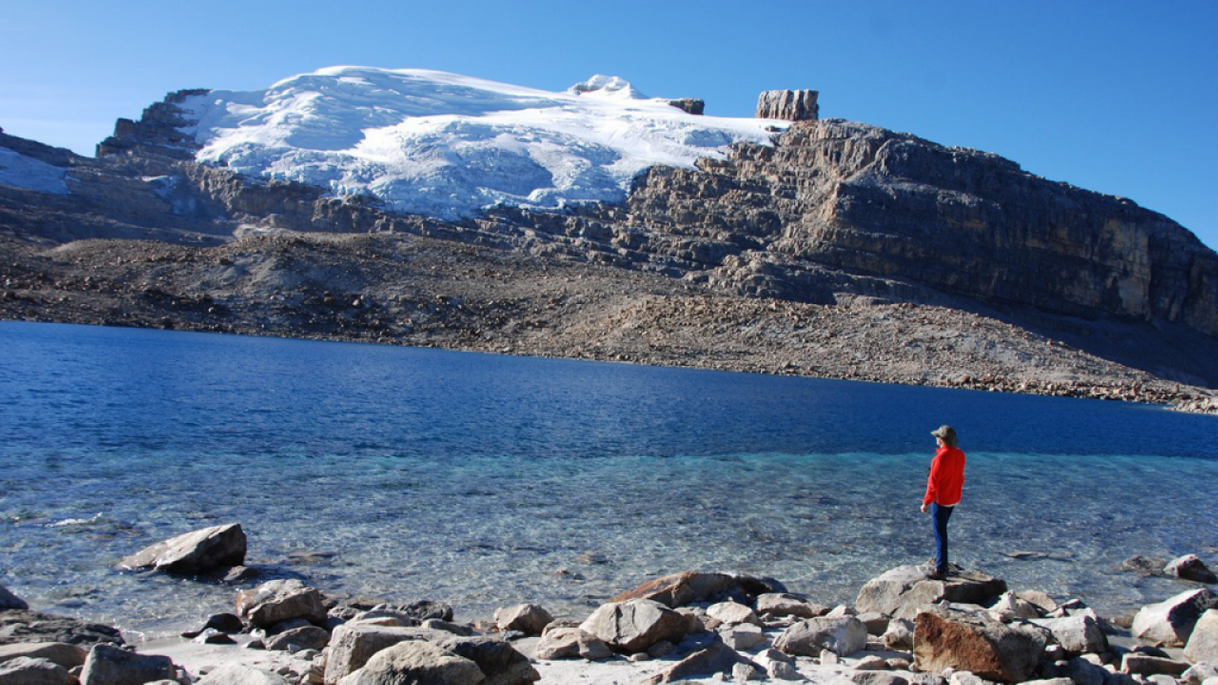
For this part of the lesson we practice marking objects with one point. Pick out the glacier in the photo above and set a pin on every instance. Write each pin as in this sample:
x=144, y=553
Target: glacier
x=450, y=146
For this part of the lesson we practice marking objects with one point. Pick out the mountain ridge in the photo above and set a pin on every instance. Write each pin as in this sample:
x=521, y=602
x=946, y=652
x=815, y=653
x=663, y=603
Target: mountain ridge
x=825, y=212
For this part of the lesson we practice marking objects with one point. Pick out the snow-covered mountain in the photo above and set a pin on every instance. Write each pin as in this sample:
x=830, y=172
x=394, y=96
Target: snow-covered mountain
x=445, y=145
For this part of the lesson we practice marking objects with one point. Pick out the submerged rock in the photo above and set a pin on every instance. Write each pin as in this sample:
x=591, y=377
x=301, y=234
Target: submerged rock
x=199, y=551
x=1190, y=567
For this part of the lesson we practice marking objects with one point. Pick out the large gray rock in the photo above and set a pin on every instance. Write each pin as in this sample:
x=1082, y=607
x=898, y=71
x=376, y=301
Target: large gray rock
x=529, y=619
x=571, y=643
x=277, y=601
x=352, y=645
x=108, y=665
x=842, y=636
x=634, y=625
x=24, y=670
x=791, y=105
x=733, y=613
x=32, y=626
x=779, y=604
x=199, y=551
x=1170, y=622
x=66, y=655
x=977, y=643
x=233, y=673
x=1203, y=642
x=1078, y=634
x=902, y=592
x=1200, y=672
x=682, y=589
x=899, y=634
x=499, y=661
x=10, y=601
x=1190, y=567
x=414, y=663
x=296, y=639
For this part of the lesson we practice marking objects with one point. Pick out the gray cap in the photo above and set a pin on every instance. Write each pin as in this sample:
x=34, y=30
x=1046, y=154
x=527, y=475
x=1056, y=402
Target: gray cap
x=947, y=434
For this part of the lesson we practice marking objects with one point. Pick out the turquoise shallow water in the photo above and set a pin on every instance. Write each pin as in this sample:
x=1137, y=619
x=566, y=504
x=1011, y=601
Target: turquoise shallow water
x=483, y=480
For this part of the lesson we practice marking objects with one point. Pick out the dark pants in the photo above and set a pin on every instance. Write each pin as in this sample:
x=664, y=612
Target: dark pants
x=938, y=521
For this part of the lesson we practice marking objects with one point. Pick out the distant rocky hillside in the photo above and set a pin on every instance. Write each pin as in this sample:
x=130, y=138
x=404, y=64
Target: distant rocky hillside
x=830, y=214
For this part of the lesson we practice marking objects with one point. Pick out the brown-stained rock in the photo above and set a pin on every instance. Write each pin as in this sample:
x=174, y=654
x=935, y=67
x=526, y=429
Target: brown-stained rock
x=978, y=644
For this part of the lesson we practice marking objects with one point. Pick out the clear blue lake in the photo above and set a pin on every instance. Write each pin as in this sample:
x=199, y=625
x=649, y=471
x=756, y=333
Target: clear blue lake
x=484, y=480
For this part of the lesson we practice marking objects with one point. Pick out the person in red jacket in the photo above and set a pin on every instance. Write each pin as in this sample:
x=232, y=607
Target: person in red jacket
x=943, y=489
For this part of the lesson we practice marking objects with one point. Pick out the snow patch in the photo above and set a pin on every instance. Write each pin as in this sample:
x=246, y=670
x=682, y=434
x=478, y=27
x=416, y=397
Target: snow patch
x=21, y=171
x=448, y=146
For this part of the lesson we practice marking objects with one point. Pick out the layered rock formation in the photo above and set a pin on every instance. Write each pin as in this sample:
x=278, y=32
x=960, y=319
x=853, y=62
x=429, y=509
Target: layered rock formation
x=791, y=105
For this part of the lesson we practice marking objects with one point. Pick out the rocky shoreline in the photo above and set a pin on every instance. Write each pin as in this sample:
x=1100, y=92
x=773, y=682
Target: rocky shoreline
x=417, y=291
x=904, y=627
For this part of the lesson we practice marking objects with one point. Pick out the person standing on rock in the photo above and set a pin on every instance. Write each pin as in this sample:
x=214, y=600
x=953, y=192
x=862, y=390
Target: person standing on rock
x=943, y=488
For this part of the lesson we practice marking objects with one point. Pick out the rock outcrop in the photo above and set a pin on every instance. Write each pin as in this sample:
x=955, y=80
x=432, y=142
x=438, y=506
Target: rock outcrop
x=791, y=105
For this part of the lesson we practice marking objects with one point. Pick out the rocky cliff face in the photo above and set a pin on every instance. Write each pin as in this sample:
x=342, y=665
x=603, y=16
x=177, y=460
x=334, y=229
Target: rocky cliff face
x=835, y=212
x=852, y=197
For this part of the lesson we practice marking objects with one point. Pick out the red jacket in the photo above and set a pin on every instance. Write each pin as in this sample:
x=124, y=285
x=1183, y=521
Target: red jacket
x=946, y=478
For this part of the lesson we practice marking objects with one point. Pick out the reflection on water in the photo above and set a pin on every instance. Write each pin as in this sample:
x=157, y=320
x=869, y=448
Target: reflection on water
x=483, y=480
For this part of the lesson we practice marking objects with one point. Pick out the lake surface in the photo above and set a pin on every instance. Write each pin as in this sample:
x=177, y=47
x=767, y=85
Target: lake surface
x=485, y=480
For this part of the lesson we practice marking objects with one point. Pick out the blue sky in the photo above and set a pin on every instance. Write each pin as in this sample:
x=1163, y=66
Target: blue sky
x=1119, y=96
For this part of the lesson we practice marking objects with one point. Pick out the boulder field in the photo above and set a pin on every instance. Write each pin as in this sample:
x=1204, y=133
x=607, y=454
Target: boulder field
x=904, y=627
